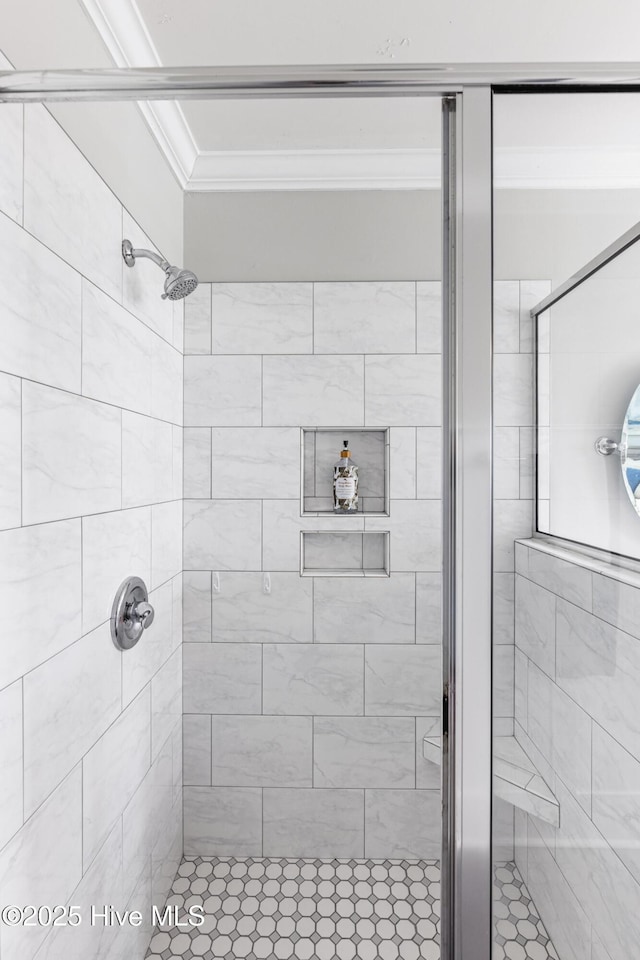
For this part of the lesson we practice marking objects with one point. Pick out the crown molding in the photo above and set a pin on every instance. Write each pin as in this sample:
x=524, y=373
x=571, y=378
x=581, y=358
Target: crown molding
x=127, y=39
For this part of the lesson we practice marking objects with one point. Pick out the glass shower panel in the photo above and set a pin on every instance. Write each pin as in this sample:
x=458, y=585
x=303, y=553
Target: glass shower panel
x=567, y=535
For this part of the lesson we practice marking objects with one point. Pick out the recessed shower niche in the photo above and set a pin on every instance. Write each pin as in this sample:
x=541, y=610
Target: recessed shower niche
x=321, y=448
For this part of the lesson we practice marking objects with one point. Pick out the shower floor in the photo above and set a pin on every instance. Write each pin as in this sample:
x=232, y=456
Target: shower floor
x=272, y=909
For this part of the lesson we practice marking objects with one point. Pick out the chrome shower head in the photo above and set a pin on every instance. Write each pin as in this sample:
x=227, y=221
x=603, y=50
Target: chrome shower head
x=178, y=283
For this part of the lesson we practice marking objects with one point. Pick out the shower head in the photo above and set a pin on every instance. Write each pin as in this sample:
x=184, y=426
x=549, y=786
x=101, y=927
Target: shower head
x=178, y=283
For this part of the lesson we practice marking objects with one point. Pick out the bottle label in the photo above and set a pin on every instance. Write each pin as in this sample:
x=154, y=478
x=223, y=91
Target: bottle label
x=345, y=488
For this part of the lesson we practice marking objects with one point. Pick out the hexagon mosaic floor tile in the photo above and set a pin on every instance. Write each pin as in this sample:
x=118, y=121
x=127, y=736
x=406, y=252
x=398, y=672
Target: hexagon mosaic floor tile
x=267, y=909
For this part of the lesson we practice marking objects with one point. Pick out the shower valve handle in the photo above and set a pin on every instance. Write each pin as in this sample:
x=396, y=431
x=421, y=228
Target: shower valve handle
x=143, y=613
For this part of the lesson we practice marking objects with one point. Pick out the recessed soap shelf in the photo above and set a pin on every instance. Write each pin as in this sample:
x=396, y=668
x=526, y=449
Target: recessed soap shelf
x=321, y=448
x=344, y=553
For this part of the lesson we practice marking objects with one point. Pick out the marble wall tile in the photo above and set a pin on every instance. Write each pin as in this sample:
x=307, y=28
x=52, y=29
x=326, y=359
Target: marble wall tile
x=67, y=205
x=112, y=771
x=521, y=668
x=503, y=608
x=281, y=527
x=564, y=917
x=506, y=463
x=528, y=462
x=535, y=624
x=166, y=541
x=144, y=818
x=256, y=462
x=429, y=316
x=403, y=463
x=365, y=611
x=197, y=320
x=427, y=773
x=402, y=680
x=222, y=534
x=503, y=672
x=166, y=381
x=599, y=668
x=276, y=608
x=503, y=830
x=156, y=645
x=40, y=584
x=113, y=546
x=520, y=851
x=178, y=308
x=261, y=318
x=301, y=679
x=116, y=353
x=531, y=293
x=197, y=749
x=513, y=390
x=339, y=549
x=149, y=460
x=11, y=159
x=261, y=751
x=403, y=391
x=197, y=463
x=222, y=391
x=40, y=304
x=52, y=839
x=506, y=316
x=616, y=798
x=223, y=821
x=54, y=484
x=429, y=463
x=143, y=284
x=197, y=606
x=567, y=580
x=373, y=317
x=512, y=520
x=364, y=752
x=428, y=608
x=616, y=602
x=68, y=703
x=10, y=451
x=166, y=701
x=416, y=534
x=314, y=823
x=317, y=391
x=11, y=760
x=402, y=824
x=222, y=678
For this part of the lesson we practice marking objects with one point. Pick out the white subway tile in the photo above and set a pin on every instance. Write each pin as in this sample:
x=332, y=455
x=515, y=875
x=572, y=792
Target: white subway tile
x=67, y=205
x=40, y=304
x=11, y=791
x=40, y=593
x=71, y=455
x=364, y=752
x=222, y=678
x=222, y=391
x=374, y=317
x=402, y=824
x=222, y=534
x=402, y=680
x=301, y=679
x=314, y=823
x=223, y=821
x=261, y=318
x=316, y=391
x=276, y=608
x=260, y=462
x=261, y=751
x=403, y=391
x=10, y=451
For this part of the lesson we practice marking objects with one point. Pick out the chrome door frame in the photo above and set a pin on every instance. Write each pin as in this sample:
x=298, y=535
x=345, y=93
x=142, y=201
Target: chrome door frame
x=467, y=425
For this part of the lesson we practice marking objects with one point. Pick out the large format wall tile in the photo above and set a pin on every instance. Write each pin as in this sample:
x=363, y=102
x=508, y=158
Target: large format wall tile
x=364, y=752
x=150, y=460
x=429, y=316
x=56, y=484
x=68, y=206
x=313, y=679
x=255, y=462
x=40, y=584
x=276, y=608
x=223, y=821
x=68, y=701
x=156, y=645
x=166, y=701
x=166, y=542
x=166, y=381
x=428, y=608
x=222, y=535
x=402, y=680
x=365, y=611
x=364, y=317
x=197, y=749
x=313, y=391
x=261, y=318
x=197, y=463
x=261, y=751
x=11, y=140
x=416, y=534
x=403, y=391
x=222, y=678
x=11, y=790
x=10, y=452
x=314, y=823
x=535, y=625
x=568, y=580
x=616, y=798
x=616, y=602
x=513, y=392
x=222, y=391
x=402, y=824
x=197, y=320
x=40, y=311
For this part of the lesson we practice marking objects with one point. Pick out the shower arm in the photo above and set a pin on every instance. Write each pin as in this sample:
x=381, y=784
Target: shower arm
x=131, y=254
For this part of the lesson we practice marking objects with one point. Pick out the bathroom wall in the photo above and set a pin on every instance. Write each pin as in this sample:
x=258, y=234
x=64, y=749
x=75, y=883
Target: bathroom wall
x=305, y=707
x=577, y=691
x=91, y=452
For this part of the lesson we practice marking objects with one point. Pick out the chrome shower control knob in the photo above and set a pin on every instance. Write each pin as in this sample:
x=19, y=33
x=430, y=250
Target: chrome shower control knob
x=131, y=613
